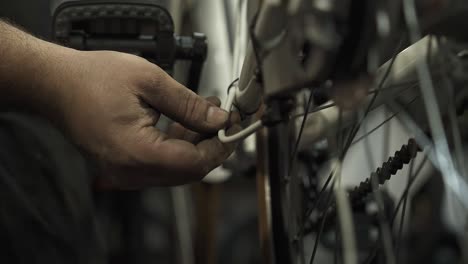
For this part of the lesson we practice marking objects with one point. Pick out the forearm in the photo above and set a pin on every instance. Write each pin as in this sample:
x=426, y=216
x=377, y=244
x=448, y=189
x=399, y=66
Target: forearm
x=28, y=71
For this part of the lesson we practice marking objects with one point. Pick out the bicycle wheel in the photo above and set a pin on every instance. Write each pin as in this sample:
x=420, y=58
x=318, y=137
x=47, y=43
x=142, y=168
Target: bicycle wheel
x=383, y=155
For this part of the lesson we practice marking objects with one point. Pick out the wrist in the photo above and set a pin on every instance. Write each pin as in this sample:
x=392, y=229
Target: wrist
x=52, y=71
x=30, y=71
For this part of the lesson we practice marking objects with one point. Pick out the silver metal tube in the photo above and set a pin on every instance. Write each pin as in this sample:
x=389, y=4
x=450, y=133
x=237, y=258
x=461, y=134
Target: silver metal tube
x=403, y=71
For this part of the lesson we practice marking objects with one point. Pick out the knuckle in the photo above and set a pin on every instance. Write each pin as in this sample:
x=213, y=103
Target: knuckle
x=152, y=80
x=149, y=77
x=149, y=83
x=190, y=109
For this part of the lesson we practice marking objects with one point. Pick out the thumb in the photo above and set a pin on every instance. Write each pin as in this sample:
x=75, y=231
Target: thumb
x=183, y=105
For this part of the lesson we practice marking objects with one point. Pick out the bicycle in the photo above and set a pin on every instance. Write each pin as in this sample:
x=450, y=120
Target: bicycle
x=345, y=60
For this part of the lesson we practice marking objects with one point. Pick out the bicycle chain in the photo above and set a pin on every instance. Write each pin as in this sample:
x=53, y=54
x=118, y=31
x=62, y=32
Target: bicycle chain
x=358, y=195
x=389, y=168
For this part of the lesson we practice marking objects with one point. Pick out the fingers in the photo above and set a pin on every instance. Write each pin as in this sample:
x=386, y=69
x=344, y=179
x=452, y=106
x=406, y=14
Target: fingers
x=214, y=152
x=177, y=131
x=194, y=161
x=190, y=161
x=182, y=105
x=166, y=161
x=234, y=118
x=214, y=100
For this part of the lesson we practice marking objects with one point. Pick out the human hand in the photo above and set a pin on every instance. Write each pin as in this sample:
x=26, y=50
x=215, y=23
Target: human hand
x=110, y=103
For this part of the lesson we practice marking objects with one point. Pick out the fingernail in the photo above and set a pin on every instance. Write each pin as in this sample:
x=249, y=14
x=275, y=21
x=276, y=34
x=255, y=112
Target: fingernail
x=216, y=115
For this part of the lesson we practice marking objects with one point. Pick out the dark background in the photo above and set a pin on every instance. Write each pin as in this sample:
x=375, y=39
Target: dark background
x=34, y=15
